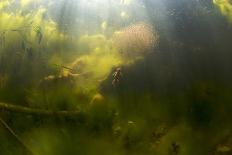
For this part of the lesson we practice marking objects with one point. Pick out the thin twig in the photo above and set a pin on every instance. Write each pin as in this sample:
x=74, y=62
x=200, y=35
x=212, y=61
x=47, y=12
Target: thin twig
x=31, y=111
x=65, y=67
x=15, y=135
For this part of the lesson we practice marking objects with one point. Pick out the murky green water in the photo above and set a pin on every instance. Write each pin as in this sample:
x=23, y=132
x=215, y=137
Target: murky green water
x=115, y=77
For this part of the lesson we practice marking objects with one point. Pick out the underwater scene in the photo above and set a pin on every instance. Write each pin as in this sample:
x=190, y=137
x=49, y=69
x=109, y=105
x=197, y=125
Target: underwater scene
x=115, y=77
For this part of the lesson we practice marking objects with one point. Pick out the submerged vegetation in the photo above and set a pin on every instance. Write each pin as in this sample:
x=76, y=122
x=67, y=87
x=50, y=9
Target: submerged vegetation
x=115, y=77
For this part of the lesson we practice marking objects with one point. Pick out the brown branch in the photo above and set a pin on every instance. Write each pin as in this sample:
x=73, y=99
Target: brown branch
x=65, y=67
x=31, y=111
x=7, y=127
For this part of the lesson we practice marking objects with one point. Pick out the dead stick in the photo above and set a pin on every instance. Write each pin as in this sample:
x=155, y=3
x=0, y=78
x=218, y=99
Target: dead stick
x=15, y=135
x=26, y=110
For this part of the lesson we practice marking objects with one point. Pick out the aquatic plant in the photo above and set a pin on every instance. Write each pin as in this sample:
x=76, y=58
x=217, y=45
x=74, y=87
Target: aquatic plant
x=225, y=7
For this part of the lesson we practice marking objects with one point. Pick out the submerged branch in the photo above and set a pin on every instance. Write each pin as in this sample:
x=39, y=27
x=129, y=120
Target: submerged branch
x=31, y=111
x=11, y=131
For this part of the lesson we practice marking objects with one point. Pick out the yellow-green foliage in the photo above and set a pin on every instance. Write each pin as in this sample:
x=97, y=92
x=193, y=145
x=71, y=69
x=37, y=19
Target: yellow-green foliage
x=28, y=24
x=99, y=56
x=4, y=4
x=25, y=3
x=225, y=7
x=90, y=58
x=95, y=64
